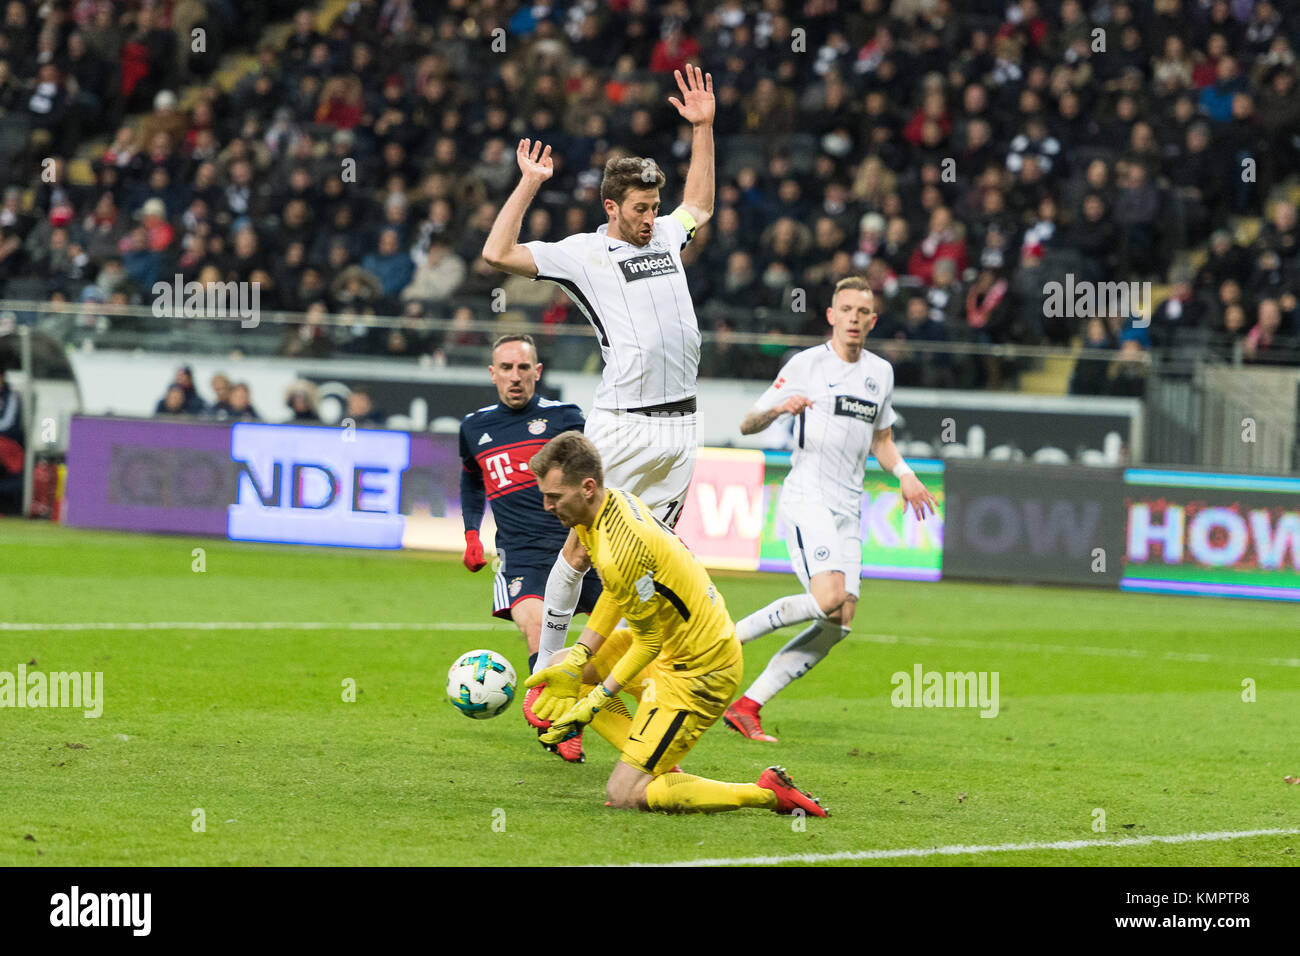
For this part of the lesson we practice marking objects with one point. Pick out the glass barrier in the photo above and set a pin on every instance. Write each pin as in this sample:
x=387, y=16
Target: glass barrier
x=460, y=333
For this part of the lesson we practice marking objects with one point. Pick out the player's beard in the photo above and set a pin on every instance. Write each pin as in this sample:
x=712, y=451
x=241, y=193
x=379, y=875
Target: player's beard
x=634, y=234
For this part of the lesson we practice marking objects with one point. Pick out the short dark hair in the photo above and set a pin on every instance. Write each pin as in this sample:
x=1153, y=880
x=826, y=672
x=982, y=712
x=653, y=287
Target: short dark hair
x=628, y=173
x=517, y=337
x=575, y=456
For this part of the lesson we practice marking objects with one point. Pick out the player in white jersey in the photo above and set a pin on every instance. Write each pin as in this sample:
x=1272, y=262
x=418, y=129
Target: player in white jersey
x=628, y=279
x=842, y=396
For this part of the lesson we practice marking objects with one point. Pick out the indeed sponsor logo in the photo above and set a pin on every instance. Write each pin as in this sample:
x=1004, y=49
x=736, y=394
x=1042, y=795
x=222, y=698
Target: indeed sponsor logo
x=859, y=408
x=644, y=267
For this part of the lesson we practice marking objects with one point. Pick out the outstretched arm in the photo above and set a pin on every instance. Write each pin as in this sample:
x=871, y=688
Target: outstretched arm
x=757, y=419
x=697, y=107
x=502, y=249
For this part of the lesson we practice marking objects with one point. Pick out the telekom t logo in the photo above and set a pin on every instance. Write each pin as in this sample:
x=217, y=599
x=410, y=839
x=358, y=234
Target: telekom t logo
x=500, y=467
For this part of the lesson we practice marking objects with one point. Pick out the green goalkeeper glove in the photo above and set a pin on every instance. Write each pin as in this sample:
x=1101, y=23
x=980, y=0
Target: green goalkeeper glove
x=563, y=683
x=578, y=716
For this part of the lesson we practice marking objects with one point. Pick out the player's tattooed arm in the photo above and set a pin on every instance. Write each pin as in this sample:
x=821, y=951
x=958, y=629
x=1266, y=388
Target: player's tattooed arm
x=502, y=250
x=758, y=419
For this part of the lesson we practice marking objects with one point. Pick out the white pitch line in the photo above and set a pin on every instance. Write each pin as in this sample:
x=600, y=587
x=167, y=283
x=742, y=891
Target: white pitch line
x=917, y=640
x=851, y=855
x=1084, y=649
x=251, y=626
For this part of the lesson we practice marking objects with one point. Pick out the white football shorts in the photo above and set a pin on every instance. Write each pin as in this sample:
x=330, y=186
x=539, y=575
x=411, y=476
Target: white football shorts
x=650, y=456
x=821, y=540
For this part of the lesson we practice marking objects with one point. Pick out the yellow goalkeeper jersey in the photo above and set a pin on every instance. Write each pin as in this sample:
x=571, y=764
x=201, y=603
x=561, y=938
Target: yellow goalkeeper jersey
x=652, y=579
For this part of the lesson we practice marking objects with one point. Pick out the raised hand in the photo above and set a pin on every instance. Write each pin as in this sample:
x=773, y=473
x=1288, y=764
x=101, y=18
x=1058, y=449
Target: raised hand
x=696, y=104
x=534, y=161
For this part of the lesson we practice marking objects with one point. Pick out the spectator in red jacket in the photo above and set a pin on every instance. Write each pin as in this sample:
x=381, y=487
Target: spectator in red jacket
x=933, y=107
x=674, y=51
x=1024, y=22
x=942, y=242
x=153, y=215
x=341, y=103
x=1206, y=72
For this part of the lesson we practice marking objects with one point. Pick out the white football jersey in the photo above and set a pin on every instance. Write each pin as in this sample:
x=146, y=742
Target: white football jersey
x=637, y=300
x=832, y=439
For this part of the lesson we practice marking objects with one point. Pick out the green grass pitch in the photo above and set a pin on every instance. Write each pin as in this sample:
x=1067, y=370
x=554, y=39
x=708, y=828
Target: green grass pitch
x=1128, y=704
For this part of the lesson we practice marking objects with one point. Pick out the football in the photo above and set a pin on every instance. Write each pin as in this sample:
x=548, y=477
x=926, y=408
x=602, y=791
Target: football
x=481, y=684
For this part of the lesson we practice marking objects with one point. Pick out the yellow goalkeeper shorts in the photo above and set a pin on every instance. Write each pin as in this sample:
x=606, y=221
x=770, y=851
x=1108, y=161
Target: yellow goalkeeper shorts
x=673, y=712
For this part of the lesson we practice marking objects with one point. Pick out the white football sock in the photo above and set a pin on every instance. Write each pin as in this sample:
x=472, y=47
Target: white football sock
x=791, y=609
x=796, y=659
x=563, y=588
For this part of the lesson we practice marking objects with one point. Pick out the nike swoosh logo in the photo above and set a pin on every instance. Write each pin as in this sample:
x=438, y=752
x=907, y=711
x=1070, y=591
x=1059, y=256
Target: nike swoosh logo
x=831, y=384
x=613, y=249
x=553, y=614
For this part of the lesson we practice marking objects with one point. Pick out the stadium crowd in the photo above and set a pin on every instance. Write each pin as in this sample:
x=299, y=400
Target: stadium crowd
x=960, y=155
x=232, y=401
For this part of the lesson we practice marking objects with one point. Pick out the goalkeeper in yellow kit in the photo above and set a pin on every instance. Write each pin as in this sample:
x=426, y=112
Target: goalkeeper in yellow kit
x=679, y=655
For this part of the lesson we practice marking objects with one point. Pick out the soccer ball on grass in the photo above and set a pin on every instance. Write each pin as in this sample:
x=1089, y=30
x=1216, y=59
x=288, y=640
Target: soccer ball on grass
x=481, y=684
